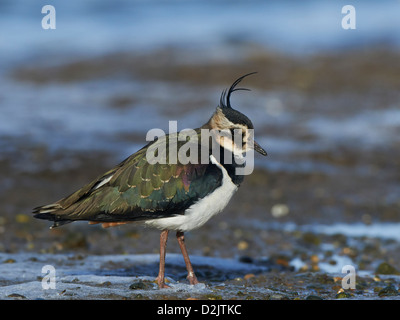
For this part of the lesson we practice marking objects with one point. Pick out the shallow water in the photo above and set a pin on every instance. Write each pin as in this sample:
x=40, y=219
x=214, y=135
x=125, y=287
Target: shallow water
x=91, y=28
x=65, y=277
x=66, y=116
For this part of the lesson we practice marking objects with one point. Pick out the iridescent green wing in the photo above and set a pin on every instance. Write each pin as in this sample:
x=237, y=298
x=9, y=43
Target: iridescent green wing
x=140, y=189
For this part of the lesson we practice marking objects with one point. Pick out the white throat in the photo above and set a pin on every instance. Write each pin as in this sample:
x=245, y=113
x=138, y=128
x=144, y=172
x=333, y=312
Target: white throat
x=204, y=209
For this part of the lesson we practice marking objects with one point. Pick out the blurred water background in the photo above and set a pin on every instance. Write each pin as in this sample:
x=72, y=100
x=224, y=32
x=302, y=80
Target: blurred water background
x=197, y=32
x=325, y=103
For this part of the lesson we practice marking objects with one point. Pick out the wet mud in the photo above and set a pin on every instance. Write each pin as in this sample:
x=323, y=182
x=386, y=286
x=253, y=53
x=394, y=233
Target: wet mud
x=332, y=140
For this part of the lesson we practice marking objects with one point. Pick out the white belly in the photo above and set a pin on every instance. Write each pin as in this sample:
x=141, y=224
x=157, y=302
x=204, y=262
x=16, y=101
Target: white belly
x=201, y=211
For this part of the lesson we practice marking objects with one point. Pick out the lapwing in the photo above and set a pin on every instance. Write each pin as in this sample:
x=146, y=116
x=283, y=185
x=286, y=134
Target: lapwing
x=170, y=195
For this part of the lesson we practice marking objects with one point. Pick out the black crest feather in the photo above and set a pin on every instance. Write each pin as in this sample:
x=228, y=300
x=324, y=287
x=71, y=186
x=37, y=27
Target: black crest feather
x=224, y=101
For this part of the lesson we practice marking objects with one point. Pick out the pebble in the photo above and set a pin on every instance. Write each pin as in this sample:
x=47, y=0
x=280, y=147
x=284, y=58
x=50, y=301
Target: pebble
x=22, y=218
x=16, y=296
x=141, y=285
x=314, y=258
x=211, y=296
x=343, y=295
x=248, y=276
x=246, y=259
x=311, y=238
x=313, y=297
x=9, y=261
x=277, y=296
x=304, y=268
x=386, y=268
x=242, y=245
x=315, y=268
x=279, y=210
x=314, y=263
x=388, y=291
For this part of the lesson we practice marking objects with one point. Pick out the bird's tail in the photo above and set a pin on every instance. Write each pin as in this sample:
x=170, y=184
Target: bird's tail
x=48, y=212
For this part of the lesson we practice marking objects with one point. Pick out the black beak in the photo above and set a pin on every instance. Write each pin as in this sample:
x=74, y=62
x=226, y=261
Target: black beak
x=260, y=150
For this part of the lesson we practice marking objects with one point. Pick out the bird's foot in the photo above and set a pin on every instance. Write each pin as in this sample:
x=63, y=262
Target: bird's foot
x=161, y=283
x=163, y=286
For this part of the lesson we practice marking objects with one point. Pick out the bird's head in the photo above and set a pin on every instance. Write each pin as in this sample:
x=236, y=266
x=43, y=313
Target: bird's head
x=233, y=130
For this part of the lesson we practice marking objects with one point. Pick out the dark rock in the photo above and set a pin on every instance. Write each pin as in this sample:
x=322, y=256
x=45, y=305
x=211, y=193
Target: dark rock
x=313, y=297
x=386, y=268
x=9, y=261
x=343, y=295
x=16, y=296
x=388, y=291
x=141, y=285
x=246, y=259
x=311, y=238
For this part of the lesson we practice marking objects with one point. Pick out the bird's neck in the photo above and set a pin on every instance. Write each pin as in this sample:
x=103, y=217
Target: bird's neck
x=231, y=164
x=226, y=157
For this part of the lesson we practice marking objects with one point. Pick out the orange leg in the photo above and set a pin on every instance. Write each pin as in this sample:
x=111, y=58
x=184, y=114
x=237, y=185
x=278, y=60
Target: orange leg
x=181, y=240
x=161, y=274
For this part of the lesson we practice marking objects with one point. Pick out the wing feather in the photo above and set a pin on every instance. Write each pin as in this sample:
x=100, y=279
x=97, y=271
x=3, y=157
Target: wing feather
x=136, y=190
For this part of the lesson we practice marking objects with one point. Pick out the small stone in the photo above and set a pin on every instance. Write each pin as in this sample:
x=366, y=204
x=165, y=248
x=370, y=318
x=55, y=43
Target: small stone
x=9, y=261
x=141, y=285
x=343, y=295
x=16, y=296
x=242, y=245
x=324, y=279
x=304, y=268
x=279, y=210
x=213, y=297
x=315, y=268
x=220, y=287
x=22, y=218
x=246, y=259
x=248, y=276
x=282, y=261
x=278, y=296
x=311, y=238
x=313, y=297
x=314, y=258
x=136, y=286
x=388, y=291
x=386, y=268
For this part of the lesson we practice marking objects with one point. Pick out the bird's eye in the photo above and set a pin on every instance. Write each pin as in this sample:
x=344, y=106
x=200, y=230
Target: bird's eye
x=238, y=136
